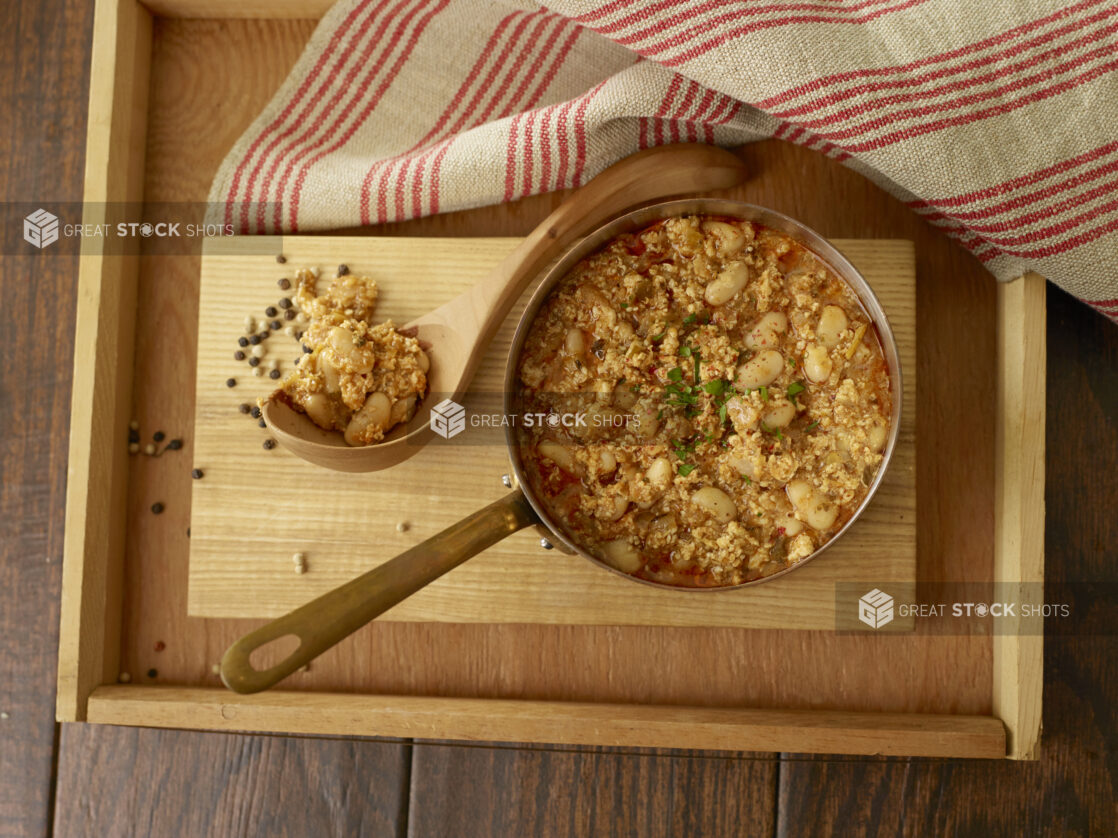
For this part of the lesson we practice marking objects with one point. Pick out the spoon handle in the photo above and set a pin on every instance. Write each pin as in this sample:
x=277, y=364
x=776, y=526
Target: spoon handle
x=335, y=615
x=650, y=175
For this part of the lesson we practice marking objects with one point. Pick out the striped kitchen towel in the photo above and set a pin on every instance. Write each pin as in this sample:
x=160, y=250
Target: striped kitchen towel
x=997, y=121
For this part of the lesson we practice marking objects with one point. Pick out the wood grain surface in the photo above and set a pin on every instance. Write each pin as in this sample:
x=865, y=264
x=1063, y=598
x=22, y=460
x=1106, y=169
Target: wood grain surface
x=1069, y=791
x=515, y=581
x=930, y=674
x=550, y=792
x=41, y=154
x=253, y=785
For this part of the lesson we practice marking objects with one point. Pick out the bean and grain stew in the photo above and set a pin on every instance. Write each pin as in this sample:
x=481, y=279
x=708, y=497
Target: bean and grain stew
x=356, y=376
x=711, y=402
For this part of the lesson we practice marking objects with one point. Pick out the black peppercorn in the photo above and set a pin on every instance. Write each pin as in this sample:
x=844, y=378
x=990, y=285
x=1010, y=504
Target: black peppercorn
x=254, y=361
x=274, y=374
x=157, y=508
x=307, y=349
x=255, y=339
x=281, y=259
x=284, y=283
x=262, y=423
x=242, y=341
x=270, y=311
x=269, y=444
x=265, y=335
x=230, y=382
x=285, y=303
x=244, y=408
x=174, y=444
x=238, y=355
x=255, y=413
x=133, y=435
x=343, y=270
x=197, y=473
x=152, y=673
x=289, y=314
x=158, y=436
x=276, y=325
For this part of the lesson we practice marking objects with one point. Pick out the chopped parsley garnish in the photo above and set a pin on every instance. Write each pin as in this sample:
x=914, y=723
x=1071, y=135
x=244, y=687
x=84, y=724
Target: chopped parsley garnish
x=715, y=387
x=748, y=482
x=813, y=425
x=774, y=431
x=690, y=318
x=685, y=352
x=684, y=449
x=623, y=305
x=686, y=469
x=675, y=374
x=764, y=391
x=658, y=338
x=794, y=389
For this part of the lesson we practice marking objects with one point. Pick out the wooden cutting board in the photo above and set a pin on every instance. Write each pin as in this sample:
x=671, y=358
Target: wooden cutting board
x=255, y=507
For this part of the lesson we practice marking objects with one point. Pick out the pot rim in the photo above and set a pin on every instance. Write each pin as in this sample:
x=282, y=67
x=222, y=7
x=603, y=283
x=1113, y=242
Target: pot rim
x=642, y=217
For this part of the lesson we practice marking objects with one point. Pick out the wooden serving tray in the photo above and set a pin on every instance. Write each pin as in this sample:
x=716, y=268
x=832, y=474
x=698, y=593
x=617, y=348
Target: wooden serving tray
x=172, y=86
x=347, y=523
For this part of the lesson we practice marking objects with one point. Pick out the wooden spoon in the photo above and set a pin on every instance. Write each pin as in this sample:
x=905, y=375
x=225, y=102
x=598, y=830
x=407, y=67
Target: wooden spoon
x=460, y=330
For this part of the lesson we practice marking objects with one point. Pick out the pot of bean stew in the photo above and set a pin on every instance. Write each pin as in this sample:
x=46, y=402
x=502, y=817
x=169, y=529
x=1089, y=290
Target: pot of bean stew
x=702, y=394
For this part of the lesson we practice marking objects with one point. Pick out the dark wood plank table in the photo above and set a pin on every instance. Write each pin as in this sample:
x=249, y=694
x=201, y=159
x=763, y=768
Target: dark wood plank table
x=98, y=781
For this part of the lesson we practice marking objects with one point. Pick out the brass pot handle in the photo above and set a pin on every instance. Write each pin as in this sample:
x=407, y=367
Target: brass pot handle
x=335, y=615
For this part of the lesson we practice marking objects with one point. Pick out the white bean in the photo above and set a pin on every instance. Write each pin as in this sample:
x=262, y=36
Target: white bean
x=780, y=415
x=659, y=473
x=820, y=514
x=615, y=508
x=607, y=461
x=318, y=408
x=558, y=454
x=817, y=364
x=832, y=323
x=877, y=437
x=743, y=465
x=798, y=491
x=815, y=510
x=375, y=413
x=341, y=340
x=402, y=410
x=622, y=555
x=731, y=239
x=792, y=525
x=760, y=370
x=728, y=283
x=716, y=502
x=576, y=342
x=647, y=423
x=767, y=330
x=330, y=376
